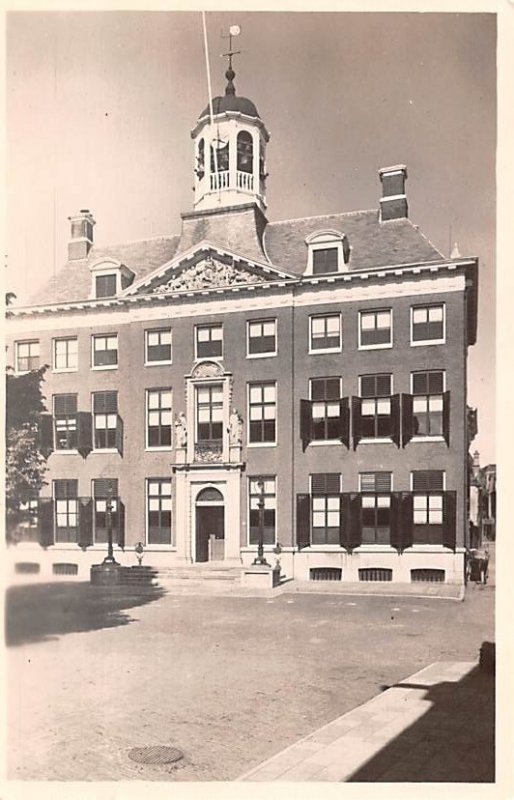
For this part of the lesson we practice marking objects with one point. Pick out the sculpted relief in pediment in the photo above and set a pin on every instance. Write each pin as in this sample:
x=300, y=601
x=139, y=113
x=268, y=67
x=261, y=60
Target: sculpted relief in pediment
x=209, y=273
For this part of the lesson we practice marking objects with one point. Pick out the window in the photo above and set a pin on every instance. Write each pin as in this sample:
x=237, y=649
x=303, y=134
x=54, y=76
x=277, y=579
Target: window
x=105, y=350
x=158, y=346
x=324, y=260
x=27, y=356
x=263, y=504
x=209, y=413
x=219, y=155
x=375, y=329
x=28, y=525
x=326, y=508
x=209, y=341
x=428, y=492
x=65, y=421
x=427, y=324
x=262, y=337
x=375, y=489
x=325, y=408
x=105, y=286
x=66, y=511
x=376, y=419
x=159, y=418
x=66, y=354
x=427, y=403
x=105, y=413
x=103, y=488
x=158, y=510
x=200, y=160
x=244, y=151
x=262, y=412
x=325, y=333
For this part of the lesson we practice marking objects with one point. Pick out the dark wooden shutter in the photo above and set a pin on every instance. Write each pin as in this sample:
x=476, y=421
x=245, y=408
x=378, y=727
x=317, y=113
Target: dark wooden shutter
x=65, y=404
x=407, y=419
x=45, y=434
x=105, y=402
x=396, y=538
x=352, y=520
x=356, y=420
x=119, y=435
x=303, y=520
x=450, y=519
x=446, y=417
x=46, y=521
x=121, y=524
x=407, y=519
x=395, y=419
x=84, y=433
x=102, y=486
x=85, y=522
x=305, y=422
x=344, y=421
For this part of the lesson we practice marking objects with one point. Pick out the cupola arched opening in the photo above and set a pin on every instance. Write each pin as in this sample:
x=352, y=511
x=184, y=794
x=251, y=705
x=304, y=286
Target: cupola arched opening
x=244, y=151
x=219, y=155
x=200, y=159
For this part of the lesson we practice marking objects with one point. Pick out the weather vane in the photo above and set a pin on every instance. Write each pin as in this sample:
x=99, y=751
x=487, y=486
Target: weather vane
x=234, y=30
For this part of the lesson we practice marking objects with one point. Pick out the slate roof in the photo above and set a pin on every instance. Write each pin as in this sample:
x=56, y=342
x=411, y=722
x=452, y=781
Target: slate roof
x=373, y=244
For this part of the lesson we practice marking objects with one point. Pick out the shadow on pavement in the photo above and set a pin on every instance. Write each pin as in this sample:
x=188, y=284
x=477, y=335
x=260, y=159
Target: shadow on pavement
x=453, y=742
x=39, y=612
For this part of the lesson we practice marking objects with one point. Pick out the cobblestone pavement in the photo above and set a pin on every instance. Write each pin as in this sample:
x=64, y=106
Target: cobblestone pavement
x=230, y=681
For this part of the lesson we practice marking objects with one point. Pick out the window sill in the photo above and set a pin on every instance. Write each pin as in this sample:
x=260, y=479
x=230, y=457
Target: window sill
x=374, y=548
x=262, y=355
x=105, y=367
x=324, y=350
x=158, y=449
x=427, y=342
x=70, y=452
x=64, y=369
x=322, y=442
x=107, y=450
x=208, y=358
x=384, y=440
x=428, y=548
x=155, y=548
x=428, y=439
x=261, y=444
x=388, y=346
x=158, y=363
x=327, y=548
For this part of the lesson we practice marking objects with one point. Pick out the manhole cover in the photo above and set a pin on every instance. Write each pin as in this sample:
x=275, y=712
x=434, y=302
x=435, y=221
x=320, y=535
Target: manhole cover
x=157, y=754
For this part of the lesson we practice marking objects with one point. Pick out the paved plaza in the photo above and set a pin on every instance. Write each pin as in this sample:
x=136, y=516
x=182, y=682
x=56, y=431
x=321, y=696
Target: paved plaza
x=232, y=681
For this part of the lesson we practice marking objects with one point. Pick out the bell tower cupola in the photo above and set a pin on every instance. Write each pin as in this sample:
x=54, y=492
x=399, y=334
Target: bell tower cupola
x=229, y=142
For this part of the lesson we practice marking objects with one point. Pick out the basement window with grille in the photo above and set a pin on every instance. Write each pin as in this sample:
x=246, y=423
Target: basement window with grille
x=427, y=575
x=375, y=574
x=65, y=569
x=325, y=574
x=26, y=568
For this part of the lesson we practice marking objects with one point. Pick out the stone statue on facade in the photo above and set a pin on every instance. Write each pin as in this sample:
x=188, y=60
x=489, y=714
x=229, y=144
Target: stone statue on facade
x=181, y=431
x=235, y=428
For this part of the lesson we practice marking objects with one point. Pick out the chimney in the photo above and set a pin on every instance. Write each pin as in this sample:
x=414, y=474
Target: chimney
x=393, y=203
x=81, y=240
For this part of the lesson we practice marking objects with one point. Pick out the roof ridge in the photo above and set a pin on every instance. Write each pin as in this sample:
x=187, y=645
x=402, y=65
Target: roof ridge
x=324, y=216
x=137, y=241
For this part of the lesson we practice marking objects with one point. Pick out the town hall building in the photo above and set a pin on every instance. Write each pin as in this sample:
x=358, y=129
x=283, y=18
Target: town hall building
x=298, y=382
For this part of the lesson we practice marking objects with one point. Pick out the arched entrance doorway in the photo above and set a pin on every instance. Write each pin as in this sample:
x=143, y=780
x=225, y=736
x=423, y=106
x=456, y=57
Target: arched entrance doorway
x=210, y=525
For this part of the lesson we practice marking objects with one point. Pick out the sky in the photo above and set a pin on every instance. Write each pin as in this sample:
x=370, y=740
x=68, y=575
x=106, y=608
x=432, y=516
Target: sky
x=100, y=106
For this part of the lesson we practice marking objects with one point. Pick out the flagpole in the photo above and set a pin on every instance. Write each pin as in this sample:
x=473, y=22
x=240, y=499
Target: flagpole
x=209, y=89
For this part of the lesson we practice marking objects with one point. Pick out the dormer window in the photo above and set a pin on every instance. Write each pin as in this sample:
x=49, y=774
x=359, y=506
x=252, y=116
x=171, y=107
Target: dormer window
x=105, y=285
x=328, y=252
x=109, y=278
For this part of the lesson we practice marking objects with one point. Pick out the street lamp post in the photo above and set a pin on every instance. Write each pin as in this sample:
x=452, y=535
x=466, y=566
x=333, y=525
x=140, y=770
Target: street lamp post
x=260, y=547
x=109, y=559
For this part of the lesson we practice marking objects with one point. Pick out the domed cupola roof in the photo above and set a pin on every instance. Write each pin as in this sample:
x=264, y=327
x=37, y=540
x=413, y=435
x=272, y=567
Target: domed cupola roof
x=230, y=101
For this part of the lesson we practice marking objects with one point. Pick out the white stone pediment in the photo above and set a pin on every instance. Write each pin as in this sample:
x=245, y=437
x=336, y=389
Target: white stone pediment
x=208, y=273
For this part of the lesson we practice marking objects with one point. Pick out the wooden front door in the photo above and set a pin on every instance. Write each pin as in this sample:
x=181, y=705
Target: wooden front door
x=210, y=533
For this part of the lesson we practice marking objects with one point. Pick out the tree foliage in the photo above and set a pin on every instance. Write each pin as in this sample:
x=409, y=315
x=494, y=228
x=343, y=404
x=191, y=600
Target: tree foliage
x=25, y=464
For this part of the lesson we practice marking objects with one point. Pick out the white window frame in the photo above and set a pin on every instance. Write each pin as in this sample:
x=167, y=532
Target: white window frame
x=149, y=546
x=54, y=353
x=383, y=345
x=16, y=346
x=260, y=444
x=268, y=547
x=322, y=350
x=436, y=438
x=311, y=526
x=158, y=330
x=94, y=337
x=378, y=439
x=427, y=342
x=261, y=321
x=147, y=409
x=209, y=325
x=322, y=442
